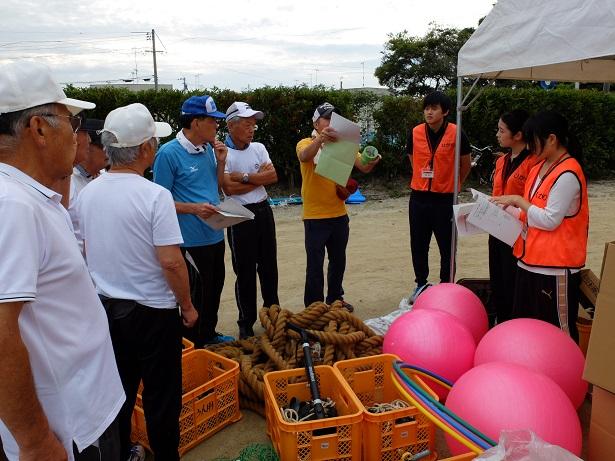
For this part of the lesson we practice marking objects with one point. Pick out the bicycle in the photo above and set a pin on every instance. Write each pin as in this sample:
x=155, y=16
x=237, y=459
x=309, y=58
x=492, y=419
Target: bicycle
x=483, y=165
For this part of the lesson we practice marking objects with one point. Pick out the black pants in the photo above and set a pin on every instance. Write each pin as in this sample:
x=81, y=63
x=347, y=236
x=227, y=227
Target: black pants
x=537, y=296
x=107, y=449
x=147, y=346
x=330, y=234
x=254, y=251
x=430, y=212
x=502, y=276
x=209, y=262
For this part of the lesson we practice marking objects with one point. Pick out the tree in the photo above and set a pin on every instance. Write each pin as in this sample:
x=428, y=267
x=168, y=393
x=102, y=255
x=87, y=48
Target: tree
x=415, y=65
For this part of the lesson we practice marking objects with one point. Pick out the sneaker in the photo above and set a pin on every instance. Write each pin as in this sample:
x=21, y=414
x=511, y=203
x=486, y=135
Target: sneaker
x=417, y=291
x=245, y=332
x=218, y=338
x=137, y=453
x=349, y=307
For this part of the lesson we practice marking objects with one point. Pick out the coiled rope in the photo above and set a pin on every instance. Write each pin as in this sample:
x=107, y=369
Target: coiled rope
x=341, y=336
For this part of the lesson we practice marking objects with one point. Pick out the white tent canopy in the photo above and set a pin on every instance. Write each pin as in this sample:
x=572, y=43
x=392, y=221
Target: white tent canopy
x=564, y=40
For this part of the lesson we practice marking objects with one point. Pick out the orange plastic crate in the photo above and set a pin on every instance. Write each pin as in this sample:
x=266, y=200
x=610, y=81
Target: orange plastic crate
x=301, y=441
x=187, y=346
x=210, y=399
x=385, y=436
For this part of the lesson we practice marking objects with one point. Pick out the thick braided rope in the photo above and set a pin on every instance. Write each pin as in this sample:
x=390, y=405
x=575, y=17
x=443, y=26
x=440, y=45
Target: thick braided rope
x=341, y=334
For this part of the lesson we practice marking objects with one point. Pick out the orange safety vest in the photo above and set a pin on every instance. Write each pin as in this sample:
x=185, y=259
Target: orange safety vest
x=566, y=245
x=515, y=183
x=441, y=161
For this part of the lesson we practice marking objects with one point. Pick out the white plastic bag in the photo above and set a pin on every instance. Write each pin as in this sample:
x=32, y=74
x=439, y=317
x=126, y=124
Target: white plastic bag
x=525, y=446
x=380, y=325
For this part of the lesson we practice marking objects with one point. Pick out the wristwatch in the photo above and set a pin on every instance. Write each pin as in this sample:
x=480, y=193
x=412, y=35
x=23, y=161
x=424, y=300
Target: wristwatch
x=245, y=178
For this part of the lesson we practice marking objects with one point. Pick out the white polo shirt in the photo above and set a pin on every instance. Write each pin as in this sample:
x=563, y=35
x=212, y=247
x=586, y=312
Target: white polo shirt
x=248, y=161
x=78, y=181
x=63, y=324
x=123, y=217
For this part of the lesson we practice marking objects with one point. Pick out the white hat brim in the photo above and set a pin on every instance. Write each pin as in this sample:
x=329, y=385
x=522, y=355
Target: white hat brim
x=76, y=105
x=163, y=129
x=257, y=114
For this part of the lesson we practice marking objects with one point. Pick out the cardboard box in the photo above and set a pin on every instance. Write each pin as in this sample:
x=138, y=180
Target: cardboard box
x=590, y=284
x=599, y=366
x=602, y=426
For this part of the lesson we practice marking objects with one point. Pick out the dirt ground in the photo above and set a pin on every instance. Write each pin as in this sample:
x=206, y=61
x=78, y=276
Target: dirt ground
x=378, y=274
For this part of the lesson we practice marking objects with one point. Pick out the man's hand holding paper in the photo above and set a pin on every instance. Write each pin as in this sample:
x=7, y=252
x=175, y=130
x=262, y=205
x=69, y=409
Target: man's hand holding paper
x=340, y=149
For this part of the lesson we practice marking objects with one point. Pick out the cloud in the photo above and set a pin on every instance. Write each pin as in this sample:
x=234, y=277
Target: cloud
x=226, y=44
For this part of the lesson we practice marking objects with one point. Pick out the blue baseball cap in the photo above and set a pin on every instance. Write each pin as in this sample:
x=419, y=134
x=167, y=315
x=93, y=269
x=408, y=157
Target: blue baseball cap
x=203, y=106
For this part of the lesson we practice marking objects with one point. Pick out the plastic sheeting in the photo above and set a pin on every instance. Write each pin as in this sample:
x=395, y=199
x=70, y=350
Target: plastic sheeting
x=525, y=446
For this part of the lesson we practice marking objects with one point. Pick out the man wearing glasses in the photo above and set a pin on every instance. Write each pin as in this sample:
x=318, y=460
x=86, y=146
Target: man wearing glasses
x=128, y=222
x=192, y=167
x=253, y=242
x=61, y=391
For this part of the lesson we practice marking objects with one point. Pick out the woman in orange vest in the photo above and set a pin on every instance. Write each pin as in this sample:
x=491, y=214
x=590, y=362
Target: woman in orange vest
x=511, y=171
x=555, y=214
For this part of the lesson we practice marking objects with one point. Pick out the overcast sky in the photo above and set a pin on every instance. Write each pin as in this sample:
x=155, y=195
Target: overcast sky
x=232, y=44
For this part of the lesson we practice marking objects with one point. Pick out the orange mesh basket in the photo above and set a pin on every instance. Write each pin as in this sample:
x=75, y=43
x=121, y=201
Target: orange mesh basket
x=187, y=346
x=337, y=438
x=389, y=435
x=210, y=400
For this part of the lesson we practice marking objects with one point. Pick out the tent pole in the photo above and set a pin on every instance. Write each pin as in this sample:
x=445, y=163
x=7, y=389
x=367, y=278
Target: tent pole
x=456, y=179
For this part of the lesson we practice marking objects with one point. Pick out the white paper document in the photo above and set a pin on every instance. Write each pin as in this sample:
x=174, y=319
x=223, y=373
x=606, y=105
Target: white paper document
x=476, y=194
x=230, y=212
x=337, y=158
x=464, y=228
x=346, y=129
x=494, y=220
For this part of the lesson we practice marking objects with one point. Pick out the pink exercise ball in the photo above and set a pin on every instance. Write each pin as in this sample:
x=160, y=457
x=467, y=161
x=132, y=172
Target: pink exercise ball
x=497, y=396
x=541, y=347
x=459, y=301
x=433, y=340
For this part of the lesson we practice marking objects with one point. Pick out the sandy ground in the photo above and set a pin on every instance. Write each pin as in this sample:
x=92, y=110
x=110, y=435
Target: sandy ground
x=378, y=274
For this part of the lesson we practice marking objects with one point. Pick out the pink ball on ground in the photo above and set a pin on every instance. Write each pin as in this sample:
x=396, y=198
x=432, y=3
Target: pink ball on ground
x=433, y=340
x=459, y=301
x=497, y=396
x=541, y=347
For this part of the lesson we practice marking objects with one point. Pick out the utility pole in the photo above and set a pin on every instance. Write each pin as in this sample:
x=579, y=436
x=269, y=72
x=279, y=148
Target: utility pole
x=363, y=67
x=154, y=54
x=183, y=79
x=316, y=77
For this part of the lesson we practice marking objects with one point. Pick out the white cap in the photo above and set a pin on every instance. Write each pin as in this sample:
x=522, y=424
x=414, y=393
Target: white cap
x=243, y=110
x=132, y=125
x=26, y=84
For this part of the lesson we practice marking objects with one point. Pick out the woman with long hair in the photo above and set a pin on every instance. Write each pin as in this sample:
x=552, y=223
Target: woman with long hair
x=511, y=172
x=554, y=210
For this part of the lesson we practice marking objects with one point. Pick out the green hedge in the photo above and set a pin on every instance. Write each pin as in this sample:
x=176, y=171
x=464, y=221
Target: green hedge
x=591, y=115
x=289, y=110
x=288, y=113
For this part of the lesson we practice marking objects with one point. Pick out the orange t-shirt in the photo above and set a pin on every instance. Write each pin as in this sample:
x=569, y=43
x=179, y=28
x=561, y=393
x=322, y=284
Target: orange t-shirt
x=320, y=201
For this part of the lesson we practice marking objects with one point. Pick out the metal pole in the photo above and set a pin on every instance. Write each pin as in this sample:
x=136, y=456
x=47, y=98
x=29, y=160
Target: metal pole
x=154, y=54
x=456, y=180
x=363, y=66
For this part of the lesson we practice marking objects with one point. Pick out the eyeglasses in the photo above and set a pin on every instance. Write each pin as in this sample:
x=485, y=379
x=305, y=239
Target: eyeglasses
x=75, y=121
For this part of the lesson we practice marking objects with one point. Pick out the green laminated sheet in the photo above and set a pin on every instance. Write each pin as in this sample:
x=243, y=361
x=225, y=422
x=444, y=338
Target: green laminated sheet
x=336, y=161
